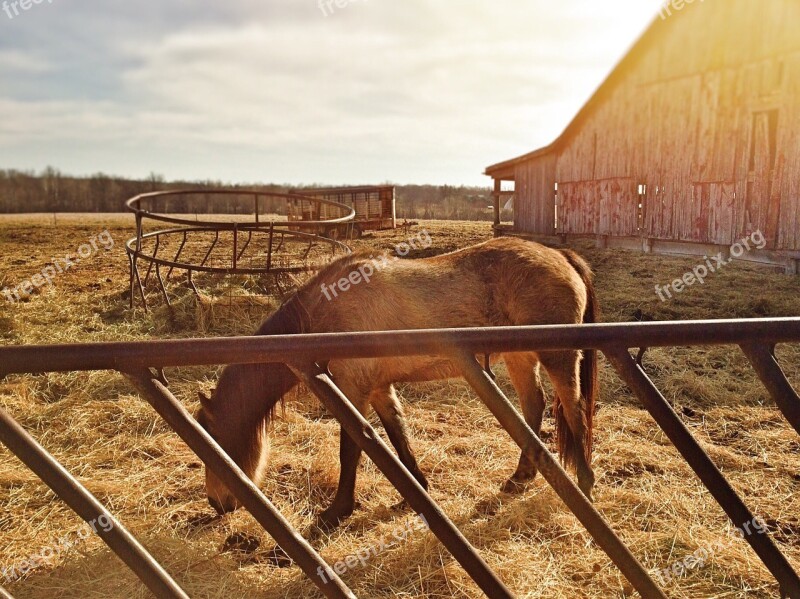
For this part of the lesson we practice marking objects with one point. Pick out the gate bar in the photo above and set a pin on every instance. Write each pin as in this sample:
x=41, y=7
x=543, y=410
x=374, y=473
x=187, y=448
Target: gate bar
x=237, y=482
x=83, y=503
x=551, y=470
x=327, y=346
x=4, y=594
x=337, y=403
x=635, y=377
x=770, y=373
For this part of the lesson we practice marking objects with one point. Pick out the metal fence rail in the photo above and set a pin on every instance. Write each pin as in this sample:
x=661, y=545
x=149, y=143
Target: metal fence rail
x=756, y=337
x=323, y=346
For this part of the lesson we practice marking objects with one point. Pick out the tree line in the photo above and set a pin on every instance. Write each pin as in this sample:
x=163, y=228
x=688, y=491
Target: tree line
x=53, y=191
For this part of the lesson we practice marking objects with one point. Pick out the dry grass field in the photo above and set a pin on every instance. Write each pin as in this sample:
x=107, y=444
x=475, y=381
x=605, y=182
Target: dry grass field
x=119, y=448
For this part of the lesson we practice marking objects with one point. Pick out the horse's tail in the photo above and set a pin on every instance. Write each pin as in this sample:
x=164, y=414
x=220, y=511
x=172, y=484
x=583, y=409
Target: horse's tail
x=588, y=371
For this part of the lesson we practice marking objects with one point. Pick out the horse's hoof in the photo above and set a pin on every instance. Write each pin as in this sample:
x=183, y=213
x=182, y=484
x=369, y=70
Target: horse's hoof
x=329, y=521
x=586, y=489
x=277, y=557
x=514, y=487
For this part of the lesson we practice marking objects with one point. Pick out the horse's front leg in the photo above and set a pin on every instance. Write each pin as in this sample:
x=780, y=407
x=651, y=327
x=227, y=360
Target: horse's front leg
x=343, y=503
x=345, y=499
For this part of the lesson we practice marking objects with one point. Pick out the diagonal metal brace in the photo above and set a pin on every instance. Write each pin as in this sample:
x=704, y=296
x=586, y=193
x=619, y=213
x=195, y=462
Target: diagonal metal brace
x=351, y=420
x=554, y=474
x=640, y=384
x=762, y=357
x=250, y=496
x=83, y=503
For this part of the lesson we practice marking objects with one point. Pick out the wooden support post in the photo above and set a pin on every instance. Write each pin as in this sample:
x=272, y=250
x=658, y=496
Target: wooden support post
x=498, y=186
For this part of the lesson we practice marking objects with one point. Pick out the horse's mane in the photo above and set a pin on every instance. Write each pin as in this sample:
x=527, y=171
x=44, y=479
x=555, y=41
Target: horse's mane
x=337, y=268
x=250, y=393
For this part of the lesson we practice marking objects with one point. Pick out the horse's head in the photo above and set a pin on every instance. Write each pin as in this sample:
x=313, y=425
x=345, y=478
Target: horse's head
x=229, y=417
x=240, y=409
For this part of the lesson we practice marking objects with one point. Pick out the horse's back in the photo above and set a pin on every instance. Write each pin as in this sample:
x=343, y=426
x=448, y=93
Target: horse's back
x=511, y=281
x=504, y=281
x=534, y=284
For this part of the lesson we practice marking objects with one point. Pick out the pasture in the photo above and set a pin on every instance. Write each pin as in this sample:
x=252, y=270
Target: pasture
x=98, y=427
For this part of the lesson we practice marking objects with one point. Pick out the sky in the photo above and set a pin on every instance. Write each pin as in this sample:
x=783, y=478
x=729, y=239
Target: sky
x=300, y=91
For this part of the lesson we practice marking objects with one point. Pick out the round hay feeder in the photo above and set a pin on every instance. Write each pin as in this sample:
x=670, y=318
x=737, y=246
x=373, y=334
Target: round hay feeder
x=231, y=232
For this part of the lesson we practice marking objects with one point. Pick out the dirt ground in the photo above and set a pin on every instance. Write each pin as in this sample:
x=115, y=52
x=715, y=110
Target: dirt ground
x=119, y=448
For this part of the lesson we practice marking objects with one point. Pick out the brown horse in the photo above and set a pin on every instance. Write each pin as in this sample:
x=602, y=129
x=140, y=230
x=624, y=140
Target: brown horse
x=501, y=282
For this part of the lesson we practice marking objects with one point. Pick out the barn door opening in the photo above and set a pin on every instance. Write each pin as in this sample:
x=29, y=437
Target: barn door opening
x=762, y=207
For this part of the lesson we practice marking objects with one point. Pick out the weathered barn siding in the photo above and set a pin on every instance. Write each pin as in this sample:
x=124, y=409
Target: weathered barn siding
x=536, y=178
x=702, y=117
x=600, y=207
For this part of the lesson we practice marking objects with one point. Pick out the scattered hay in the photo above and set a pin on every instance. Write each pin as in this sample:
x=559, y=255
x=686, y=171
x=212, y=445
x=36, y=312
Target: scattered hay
x=114, y=442
x=232, y=313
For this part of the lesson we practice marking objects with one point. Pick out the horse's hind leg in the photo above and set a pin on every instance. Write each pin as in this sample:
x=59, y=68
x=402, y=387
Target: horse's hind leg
x=563, y=369
x=523, y=369
x=390, y=412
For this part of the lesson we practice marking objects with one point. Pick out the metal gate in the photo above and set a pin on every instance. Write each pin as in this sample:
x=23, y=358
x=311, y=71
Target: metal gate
x=302, y=353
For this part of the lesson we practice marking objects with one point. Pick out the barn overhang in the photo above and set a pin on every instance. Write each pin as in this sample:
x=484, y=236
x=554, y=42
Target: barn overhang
x=505, y=171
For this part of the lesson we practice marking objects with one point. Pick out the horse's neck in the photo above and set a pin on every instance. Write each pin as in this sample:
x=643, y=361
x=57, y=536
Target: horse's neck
x=251, y=394
x=286, y=320
x=265, y=384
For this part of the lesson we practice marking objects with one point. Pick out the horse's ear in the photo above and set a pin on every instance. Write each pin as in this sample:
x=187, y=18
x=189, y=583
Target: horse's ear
x=205, y=400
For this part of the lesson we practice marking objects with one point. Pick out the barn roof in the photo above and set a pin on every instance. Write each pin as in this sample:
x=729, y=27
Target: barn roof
x=647, y=40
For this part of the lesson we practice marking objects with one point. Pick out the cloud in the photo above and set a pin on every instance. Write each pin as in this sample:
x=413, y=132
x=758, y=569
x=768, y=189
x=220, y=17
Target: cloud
x=14, y=61
x=420, y=91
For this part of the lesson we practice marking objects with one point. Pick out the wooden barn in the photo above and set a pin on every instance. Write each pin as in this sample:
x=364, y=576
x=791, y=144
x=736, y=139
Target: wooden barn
x=690, y=145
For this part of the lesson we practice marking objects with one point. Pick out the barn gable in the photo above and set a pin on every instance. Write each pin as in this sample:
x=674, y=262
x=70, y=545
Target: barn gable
x=693, y=138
